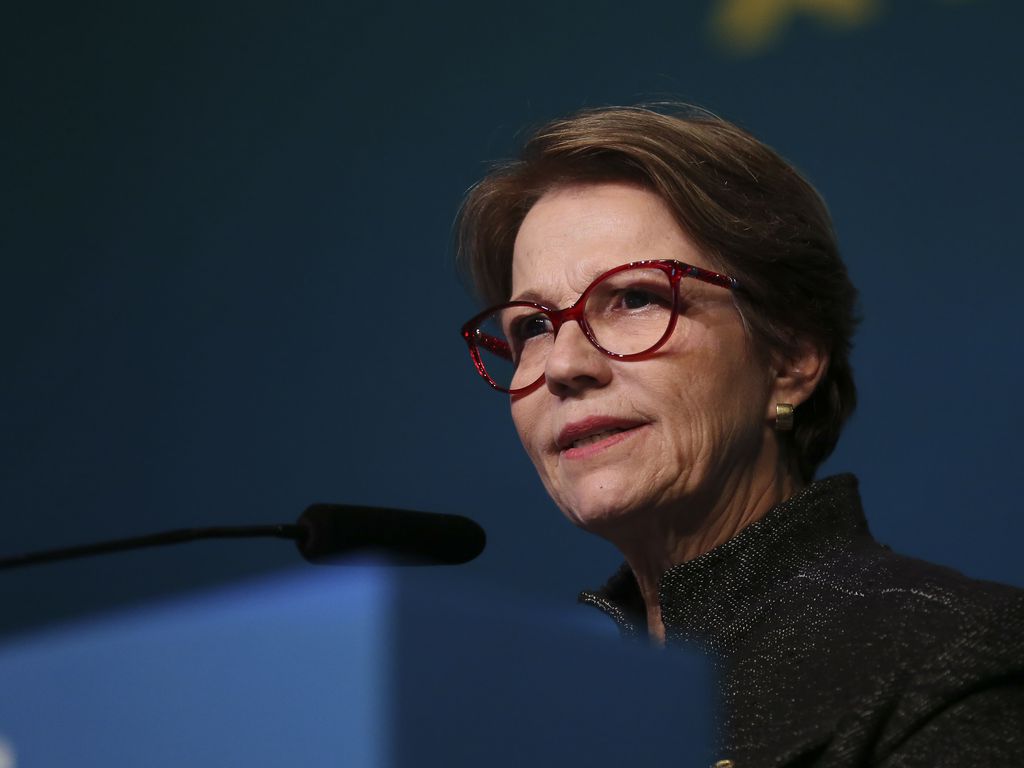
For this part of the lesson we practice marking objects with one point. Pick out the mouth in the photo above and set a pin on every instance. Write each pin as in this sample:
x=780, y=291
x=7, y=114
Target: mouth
x=586, y=437
x=595, y=438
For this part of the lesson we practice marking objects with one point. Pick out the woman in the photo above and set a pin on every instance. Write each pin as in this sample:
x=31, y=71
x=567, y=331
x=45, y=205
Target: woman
x=673, y=323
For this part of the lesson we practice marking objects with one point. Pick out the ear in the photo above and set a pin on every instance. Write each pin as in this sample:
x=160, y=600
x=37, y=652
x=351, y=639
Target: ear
x=796, y=374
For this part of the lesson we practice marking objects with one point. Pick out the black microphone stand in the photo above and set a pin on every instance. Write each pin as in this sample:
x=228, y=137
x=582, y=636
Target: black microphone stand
x=180, y=536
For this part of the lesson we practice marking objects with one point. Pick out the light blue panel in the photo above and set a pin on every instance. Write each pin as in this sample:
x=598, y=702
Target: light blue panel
x=355, y=667
x=278, y=672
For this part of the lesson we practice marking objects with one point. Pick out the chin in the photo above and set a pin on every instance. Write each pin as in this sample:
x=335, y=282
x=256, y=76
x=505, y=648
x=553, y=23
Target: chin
x=601, y=504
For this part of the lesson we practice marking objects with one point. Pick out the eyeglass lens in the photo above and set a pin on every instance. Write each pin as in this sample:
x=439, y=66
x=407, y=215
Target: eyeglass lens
x=627, y=313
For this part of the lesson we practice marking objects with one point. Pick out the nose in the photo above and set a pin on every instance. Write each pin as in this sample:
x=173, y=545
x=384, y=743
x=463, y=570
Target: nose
x=574, y=364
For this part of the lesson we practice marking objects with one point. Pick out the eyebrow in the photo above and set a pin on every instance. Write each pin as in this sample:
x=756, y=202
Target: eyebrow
x=538, y=298
x=533, y=296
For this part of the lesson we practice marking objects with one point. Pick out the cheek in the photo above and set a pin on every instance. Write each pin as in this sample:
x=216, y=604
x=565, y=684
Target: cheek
x=532, y=422
x=528, y=424
x=712, y=409
x=690, y=430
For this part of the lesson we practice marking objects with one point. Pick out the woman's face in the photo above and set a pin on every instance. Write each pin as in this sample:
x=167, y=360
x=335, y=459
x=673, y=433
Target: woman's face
x=614, y=440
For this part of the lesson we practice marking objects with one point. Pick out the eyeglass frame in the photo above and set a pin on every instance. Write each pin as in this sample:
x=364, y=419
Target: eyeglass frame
x=676, y=271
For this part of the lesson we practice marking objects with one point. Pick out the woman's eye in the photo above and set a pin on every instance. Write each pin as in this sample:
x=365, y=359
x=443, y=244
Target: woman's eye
x=530, y=327
x=637, y=298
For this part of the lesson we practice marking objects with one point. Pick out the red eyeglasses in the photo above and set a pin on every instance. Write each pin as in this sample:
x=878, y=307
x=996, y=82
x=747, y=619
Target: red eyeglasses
x=627, y=313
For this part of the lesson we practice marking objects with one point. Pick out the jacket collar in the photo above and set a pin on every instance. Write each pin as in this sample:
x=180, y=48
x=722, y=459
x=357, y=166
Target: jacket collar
x=712, y=599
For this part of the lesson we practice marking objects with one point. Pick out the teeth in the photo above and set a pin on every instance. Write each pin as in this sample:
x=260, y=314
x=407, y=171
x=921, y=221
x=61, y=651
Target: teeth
x=597, y=437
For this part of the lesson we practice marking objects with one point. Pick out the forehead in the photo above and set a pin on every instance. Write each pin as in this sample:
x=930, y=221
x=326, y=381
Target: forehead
x=573, y=234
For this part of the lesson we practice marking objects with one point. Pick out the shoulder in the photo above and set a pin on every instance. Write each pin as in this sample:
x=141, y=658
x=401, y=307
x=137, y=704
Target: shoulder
x=908, y=604
x=865, y=617
x=882, y=650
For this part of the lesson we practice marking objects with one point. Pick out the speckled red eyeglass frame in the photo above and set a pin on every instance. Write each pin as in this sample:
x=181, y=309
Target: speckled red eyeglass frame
x=675, y=270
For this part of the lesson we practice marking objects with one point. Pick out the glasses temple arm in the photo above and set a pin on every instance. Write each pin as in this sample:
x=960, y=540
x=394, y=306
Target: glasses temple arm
x=493, y=344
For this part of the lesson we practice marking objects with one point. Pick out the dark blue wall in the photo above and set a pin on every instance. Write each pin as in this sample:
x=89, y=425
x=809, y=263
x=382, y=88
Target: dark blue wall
x=227, y=290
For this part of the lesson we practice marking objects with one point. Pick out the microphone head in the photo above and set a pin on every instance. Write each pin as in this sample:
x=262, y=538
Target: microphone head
x=332, y=531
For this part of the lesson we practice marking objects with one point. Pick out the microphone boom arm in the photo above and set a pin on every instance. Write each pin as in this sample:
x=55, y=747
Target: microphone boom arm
x=166, y=538
x=324, y=533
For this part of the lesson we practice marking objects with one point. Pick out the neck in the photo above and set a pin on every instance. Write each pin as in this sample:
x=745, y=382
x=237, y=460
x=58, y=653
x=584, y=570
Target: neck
x=681, y=535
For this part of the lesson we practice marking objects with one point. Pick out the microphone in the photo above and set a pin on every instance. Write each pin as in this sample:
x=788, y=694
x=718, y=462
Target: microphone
x=324, y=533
x=331, y=531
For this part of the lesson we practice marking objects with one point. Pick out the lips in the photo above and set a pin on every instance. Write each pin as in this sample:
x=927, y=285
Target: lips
x=592, y=430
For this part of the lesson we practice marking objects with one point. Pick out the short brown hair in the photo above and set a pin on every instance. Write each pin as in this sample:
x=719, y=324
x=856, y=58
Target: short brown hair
x=750, y=212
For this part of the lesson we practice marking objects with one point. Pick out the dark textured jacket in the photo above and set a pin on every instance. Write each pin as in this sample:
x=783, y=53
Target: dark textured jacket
x=836, y=652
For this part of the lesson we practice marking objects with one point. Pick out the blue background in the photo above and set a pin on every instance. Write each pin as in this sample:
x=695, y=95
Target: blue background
x=227, y=287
